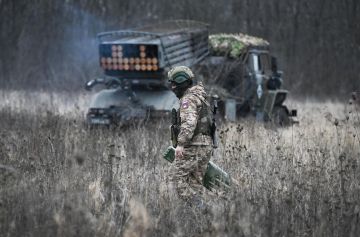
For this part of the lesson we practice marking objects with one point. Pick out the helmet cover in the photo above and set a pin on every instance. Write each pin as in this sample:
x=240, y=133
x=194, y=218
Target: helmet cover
x=180, y=74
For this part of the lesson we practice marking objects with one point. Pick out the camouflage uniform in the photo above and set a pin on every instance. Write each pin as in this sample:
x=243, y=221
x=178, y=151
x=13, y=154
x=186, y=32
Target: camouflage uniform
x=195, y=137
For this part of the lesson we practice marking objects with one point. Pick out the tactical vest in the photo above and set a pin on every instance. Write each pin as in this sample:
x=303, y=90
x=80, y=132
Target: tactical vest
x=204, y=122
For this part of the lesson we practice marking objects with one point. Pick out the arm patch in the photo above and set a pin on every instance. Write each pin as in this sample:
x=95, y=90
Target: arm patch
x=185, y=104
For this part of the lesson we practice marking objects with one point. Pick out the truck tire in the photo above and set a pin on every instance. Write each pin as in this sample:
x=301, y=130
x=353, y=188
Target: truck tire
x=280, y=116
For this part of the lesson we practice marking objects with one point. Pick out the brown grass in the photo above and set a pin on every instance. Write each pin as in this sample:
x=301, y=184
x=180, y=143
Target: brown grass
x=58, y=178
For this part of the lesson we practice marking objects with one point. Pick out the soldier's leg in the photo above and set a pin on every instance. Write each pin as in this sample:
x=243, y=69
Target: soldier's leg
x=189, y=172
x=181, y=174
x=203, y=155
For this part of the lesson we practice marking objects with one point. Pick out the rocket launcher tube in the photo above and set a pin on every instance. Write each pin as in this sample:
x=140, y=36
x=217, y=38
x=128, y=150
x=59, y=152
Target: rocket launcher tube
x=214, y=175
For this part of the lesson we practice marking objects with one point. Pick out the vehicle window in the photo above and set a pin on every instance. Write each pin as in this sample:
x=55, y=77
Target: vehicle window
x=256, y=62
x=264, y=62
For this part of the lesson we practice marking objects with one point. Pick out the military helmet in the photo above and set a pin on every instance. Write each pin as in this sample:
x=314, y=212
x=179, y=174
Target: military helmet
x=180, y=74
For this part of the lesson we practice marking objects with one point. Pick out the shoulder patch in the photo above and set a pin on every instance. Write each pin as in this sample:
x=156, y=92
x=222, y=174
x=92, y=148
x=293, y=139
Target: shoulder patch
x=185, y=104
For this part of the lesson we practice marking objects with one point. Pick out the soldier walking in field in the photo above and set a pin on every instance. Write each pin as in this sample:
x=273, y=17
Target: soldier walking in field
x=193, y=136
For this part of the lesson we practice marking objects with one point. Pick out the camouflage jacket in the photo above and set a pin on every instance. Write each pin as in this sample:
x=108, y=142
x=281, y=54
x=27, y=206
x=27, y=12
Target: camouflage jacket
x=194, y=116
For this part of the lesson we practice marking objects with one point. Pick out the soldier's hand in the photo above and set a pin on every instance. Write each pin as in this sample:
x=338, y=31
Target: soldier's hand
x=179, y=152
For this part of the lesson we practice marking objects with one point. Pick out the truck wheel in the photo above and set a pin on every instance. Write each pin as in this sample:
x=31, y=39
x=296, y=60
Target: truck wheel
x=280, y=116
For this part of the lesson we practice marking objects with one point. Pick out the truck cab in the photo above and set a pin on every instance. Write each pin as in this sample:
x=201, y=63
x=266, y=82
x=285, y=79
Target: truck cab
x=267, y=104
x=248, y=79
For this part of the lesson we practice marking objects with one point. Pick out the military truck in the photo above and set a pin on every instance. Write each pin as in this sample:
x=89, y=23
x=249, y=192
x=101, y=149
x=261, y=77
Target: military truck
x=234, y=68
x=241, y=70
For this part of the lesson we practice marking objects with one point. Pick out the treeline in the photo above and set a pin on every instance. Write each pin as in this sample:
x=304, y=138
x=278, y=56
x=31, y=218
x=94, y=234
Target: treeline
x=52, y=43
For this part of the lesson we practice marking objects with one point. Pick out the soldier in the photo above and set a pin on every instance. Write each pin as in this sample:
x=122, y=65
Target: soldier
x=194, y=142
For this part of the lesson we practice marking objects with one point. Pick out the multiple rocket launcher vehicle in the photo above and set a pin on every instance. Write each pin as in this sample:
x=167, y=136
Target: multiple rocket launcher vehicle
x=135, y=63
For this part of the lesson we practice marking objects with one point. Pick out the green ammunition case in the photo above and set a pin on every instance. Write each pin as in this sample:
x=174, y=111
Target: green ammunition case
x=214, y=175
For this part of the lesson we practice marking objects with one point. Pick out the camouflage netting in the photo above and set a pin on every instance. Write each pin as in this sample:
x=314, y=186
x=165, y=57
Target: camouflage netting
x=233, y=45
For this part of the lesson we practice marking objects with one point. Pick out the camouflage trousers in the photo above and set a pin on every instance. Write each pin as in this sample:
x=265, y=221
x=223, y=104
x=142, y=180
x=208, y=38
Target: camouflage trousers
x=189, y=171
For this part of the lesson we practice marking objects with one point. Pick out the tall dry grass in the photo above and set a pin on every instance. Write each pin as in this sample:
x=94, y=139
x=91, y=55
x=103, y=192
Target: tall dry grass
x=59, y=178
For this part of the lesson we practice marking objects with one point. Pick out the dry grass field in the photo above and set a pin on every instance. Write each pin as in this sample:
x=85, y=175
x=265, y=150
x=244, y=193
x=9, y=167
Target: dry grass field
x=59, y=178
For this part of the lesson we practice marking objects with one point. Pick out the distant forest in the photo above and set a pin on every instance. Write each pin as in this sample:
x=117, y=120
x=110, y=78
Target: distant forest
x=52, y=44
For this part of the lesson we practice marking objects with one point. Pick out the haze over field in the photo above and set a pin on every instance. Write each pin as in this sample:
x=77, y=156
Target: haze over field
x=52, y=44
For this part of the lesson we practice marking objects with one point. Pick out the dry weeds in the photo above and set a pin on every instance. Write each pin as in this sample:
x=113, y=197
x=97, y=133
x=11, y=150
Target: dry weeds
x=58, y=178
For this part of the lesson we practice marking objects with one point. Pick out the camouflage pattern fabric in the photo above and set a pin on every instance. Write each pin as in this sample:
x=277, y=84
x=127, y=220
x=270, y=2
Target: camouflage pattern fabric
x=233, y=45
x=189, y=170
x=190, y=106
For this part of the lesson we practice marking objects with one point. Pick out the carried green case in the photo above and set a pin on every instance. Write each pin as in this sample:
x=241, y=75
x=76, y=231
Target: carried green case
x=214, y=175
